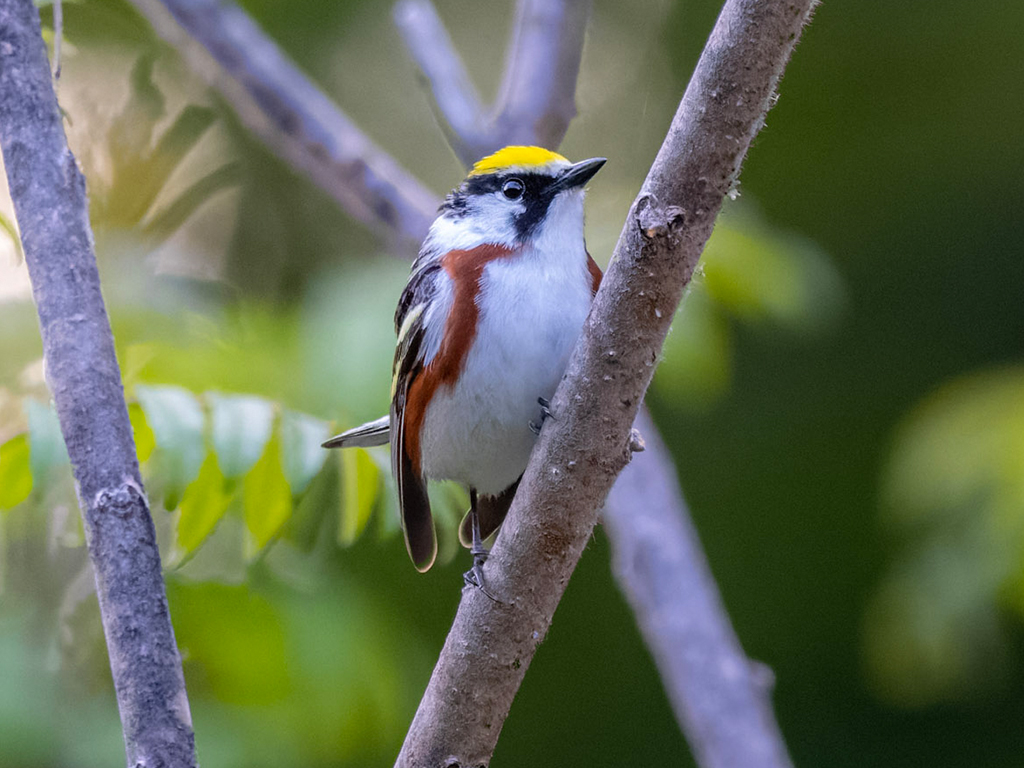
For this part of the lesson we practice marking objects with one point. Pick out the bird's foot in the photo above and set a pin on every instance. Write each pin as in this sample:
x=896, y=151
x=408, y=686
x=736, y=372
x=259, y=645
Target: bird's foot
x=474, y=577
x=545, y=414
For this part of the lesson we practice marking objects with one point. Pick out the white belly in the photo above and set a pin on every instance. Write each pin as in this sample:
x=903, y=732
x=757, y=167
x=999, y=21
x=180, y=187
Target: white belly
x=531, y=313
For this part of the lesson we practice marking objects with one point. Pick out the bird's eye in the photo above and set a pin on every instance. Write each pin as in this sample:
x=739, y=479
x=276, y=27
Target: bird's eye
x=513, y=189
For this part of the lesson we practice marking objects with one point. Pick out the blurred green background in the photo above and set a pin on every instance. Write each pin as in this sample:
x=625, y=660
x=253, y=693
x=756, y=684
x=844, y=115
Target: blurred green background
x=843, y=392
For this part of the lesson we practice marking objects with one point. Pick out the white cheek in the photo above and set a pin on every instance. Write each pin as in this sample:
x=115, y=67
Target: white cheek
x=562, y=228
x=488, y=220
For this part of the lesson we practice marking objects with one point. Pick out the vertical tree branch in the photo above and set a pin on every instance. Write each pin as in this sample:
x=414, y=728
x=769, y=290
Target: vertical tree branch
x=50, y=204
x=538, y=93
x=580, y=453
x=278, y=103
x=719, y=700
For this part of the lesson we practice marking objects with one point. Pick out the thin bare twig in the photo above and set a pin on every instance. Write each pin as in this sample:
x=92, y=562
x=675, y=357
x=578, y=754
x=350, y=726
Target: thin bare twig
x=50, y=203
x=720, y=701
x=538, y=90
x=292, y=116
x=461, y=115
x=58, y=36
x=580, y=453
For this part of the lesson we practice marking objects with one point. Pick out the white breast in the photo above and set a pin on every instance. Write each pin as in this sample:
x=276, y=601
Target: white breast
x=532, y=307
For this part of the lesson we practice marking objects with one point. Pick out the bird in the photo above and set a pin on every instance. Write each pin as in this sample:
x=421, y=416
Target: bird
x=494, y=304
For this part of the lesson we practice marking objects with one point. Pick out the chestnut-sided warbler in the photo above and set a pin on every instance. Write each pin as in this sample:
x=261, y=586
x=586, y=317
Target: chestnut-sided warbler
x=493, y=307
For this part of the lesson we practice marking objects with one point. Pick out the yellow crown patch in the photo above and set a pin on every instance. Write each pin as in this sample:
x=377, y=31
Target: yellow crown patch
x=516, y=157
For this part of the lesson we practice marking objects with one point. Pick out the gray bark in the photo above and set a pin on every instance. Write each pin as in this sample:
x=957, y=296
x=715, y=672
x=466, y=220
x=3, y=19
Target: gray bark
x=50, y=204
x=581, y=451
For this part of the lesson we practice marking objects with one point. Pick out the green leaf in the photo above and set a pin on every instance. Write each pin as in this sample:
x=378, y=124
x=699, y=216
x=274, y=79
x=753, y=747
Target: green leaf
x=760, y=274
x=241, y=426
x=176, y=418
x=388, y=522
x=266, y=497
x=360, y=487
x=959, y=451
x=46, y=443
x=203, y=505
x=15, y=472
x=145, y=441
x=697, y=359
x=7, y=225
x=166, y=222
x=320, y=499
x=301, y=454
x=179, y=139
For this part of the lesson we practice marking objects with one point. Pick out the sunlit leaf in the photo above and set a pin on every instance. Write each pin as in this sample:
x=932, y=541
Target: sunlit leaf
x=301, y=454
x=145, y=441
x=388, y=522
x=962, y=447
x=696, y=363
x=240, y=429
x=7, y=225
x=130, y=139
x=315, y=507
x=956, y=482
x=360, y=487
x=46, y=443
x=15, y=472
x=759, y=273
x=176, y=418
x=166, y=222
x=179, y=139
x=266, y=497
x=202, y=505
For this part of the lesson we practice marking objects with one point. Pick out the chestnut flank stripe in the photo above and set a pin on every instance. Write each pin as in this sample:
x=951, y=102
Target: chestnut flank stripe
x=465, y=268
x=595, y=274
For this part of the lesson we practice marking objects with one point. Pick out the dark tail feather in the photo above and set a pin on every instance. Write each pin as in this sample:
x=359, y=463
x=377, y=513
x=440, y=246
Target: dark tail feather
x=417, y=522
x=418, y=526
x=491, y=511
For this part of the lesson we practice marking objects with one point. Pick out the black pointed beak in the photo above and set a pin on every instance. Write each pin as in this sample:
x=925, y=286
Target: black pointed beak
x=579, y=174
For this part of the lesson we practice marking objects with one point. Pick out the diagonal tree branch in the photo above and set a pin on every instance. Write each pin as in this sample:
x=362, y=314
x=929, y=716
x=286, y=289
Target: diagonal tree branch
x=579, y=455
x=292, y=116
x=50, y=203
x=719, y=700
x=461, y=115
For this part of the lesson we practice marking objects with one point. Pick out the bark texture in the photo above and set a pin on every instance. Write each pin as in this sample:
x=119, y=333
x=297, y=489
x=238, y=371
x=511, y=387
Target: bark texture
x=50, y=204
x=583, y=449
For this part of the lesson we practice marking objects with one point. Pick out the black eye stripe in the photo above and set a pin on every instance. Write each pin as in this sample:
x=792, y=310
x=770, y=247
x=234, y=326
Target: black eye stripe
x=535, y=198
x=534, y=183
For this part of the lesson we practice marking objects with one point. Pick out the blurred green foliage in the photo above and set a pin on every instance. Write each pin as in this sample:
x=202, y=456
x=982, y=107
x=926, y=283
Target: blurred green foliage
x=841, y=389
x=955, y=488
